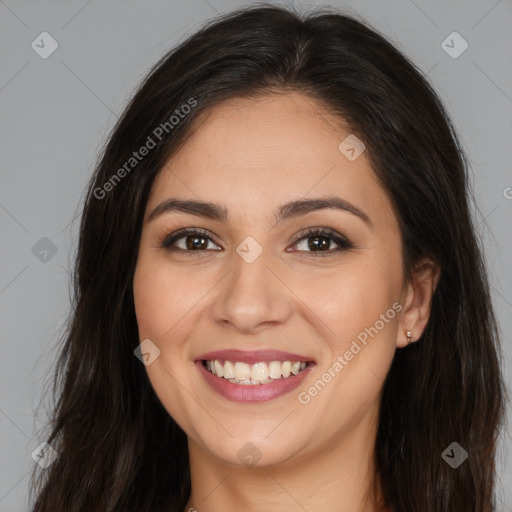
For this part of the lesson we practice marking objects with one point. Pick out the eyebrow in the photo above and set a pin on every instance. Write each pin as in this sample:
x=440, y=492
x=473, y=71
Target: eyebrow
x=286, y=211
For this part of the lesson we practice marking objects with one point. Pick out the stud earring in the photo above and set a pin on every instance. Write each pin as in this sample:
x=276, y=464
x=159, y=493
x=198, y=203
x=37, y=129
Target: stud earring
x=409, y=337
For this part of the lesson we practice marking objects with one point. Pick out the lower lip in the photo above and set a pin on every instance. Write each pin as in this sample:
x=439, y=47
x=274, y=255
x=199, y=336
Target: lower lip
x=253, y=392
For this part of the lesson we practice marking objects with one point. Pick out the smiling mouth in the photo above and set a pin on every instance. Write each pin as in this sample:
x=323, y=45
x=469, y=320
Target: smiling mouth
x=238, y=372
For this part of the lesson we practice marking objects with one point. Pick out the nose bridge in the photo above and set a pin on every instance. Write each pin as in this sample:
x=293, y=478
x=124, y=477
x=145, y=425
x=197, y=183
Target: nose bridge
x=251, y=295
x=250, y=269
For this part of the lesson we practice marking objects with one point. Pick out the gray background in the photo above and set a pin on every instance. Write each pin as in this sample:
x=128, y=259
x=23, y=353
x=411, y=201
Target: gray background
x=55, y=114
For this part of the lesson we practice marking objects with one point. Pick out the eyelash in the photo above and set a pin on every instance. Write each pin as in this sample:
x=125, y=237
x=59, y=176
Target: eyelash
x=343, y=243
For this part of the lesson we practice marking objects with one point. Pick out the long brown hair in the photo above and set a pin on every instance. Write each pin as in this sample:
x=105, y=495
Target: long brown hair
x=119, y=449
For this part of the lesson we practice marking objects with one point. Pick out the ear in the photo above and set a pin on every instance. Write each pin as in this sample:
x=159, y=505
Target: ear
x=417, y=301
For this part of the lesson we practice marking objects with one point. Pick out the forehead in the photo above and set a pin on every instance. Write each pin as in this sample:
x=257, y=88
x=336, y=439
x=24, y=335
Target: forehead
x=263, y=152
x=280, y=130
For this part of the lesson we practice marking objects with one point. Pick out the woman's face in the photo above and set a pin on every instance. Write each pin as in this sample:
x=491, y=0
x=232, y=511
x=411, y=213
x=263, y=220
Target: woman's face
x=256, y=280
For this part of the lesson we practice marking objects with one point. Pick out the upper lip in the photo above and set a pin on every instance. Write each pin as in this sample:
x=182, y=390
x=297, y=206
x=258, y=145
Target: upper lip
x=253, y=356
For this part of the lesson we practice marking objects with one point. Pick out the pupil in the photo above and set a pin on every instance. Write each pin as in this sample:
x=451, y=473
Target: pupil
x=323, y=244
x=198, y=242
x=192, y=242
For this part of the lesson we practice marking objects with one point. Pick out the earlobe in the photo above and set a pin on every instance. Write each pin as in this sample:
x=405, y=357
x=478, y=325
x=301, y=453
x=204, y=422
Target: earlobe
x=416, y=312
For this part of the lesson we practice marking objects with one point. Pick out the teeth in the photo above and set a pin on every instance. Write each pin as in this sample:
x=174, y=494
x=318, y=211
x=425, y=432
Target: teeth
x=218, y=369
x=274, y=369
x=295, y=368
x=259, y=373
x=242, y=371
x=229, y=370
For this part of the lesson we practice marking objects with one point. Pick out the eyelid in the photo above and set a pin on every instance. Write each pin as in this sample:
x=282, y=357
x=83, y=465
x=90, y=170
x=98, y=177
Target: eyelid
x=340, y=240
x=183, y=232
x=316, y=231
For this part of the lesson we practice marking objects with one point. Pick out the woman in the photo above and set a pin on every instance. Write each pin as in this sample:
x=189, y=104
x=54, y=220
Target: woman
x=280, y=298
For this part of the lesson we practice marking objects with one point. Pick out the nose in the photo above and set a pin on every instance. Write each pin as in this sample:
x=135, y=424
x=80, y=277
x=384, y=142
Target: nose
x=252, y=297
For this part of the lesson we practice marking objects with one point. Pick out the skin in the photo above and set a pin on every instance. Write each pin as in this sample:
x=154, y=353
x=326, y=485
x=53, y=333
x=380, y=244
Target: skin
x=251, y=156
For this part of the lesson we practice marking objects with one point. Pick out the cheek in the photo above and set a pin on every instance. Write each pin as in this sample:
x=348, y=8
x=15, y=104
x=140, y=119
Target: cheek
x=351, y=298
x=162, y=297
x=358, y=302
x=359, y=346
x=151, y=298
x=164, y=315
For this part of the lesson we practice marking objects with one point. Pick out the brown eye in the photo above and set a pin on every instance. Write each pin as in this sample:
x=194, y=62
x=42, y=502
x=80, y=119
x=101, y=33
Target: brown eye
x=317, y=241
x=187, y=240
x=320, y=240
x=193, y=242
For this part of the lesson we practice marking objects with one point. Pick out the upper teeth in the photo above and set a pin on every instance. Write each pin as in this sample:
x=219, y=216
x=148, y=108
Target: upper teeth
x=259, y=373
